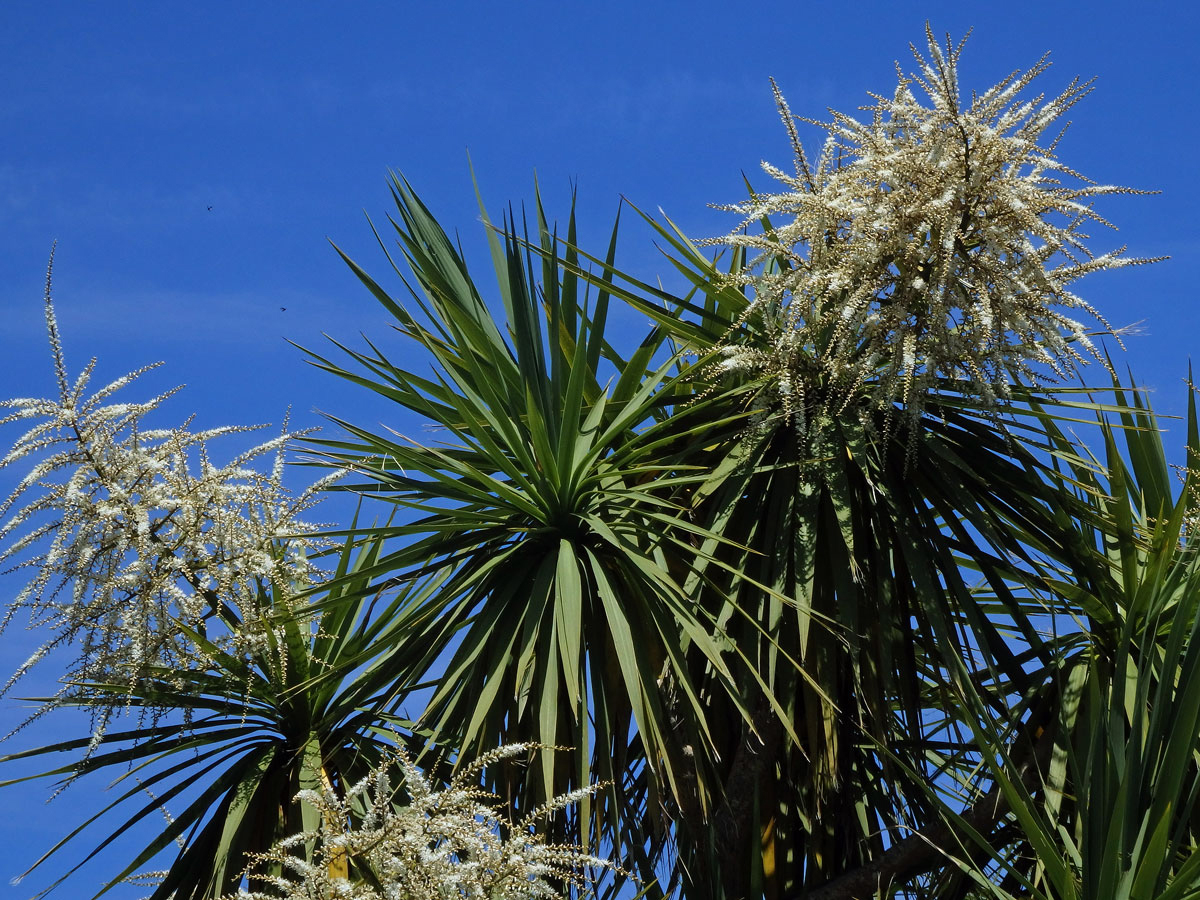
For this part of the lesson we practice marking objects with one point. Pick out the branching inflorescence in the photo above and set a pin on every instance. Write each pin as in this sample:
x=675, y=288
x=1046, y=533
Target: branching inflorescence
x=933, y=246
x=450, y=844
x=132, y=533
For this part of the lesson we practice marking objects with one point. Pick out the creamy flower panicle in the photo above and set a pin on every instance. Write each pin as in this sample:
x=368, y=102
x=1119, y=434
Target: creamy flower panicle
x=443, y=845
x=931, y=247
x=135, y=538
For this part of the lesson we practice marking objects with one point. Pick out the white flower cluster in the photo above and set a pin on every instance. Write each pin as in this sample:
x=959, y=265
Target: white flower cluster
x=444, y=845
x=934, y=242
x=131, y=533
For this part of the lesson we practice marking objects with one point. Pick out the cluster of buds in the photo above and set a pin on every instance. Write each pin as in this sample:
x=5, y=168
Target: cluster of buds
x=931, y=248
x=449, y=844
x=137, y=542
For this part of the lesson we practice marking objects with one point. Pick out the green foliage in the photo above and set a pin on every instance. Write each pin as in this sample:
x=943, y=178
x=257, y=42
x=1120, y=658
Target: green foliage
x=864, y=534
x=1110, y=811
x=815, y=634
x=549, y=510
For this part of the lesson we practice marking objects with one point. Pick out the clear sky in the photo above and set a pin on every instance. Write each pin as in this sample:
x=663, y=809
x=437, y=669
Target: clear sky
x=193, y=161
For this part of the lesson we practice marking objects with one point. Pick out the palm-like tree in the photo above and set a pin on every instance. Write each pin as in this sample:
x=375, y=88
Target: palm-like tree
x=548, y=516
x=748, y=627
x=872, y=540
x=753, y=580
x=788, y=571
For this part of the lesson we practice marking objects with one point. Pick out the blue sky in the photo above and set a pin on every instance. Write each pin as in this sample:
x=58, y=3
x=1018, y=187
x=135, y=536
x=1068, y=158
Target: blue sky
x=194, y=160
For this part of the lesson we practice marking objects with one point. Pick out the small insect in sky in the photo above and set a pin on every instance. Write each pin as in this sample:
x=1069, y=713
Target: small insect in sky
x=210, y=209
